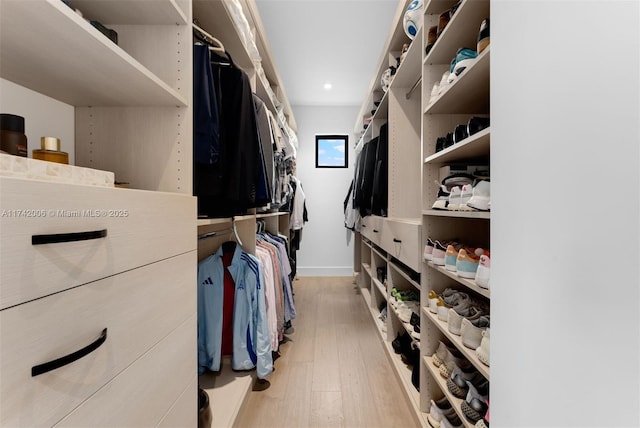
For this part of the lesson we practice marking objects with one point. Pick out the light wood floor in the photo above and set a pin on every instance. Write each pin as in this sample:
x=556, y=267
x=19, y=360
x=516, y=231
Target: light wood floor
x=333, y=372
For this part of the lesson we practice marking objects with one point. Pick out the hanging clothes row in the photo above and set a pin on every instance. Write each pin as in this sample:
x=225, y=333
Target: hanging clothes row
x=238, y=143
x=244, y=304
x=368, y=192
x=232, y=312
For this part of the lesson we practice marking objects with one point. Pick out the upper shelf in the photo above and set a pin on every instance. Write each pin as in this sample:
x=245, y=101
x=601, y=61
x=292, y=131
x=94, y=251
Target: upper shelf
x=461, y=31
x=132, y=12
x=473, y=147
x=45, y=46
x=409, y=71
x=469, y=94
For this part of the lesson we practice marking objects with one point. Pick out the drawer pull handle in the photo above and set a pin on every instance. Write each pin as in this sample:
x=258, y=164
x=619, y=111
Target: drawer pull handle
x=397, y=240
x=375, y=230
x=56, y=238
x=364, y=225
x=68, y=359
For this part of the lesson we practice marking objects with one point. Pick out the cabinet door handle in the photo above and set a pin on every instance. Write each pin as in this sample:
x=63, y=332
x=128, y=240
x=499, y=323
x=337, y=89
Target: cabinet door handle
x=68, y=359
x=375, y=230
x=364, y=225
x=56, y=238
x=397, y=240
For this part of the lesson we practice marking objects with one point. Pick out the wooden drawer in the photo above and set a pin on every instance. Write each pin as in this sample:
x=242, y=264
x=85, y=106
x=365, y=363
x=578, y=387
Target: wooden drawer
x=138, y=308
x=142, y=393
x=182, y=413
x=141, y=227
x=372, y=228
x=401, y=239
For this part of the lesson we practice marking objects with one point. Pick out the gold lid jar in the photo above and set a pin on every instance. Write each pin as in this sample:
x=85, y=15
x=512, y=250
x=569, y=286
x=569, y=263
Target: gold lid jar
x=50, y=151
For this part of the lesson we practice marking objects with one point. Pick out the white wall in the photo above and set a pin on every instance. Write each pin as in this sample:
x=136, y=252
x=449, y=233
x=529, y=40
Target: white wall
x=43, y=116
x=565, y=219
x=324, y=250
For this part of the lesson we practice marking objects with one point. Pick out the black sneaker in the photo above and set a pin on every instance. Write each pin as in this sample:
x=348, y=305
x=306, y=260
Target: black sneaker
x=483, y=36
x=477, y=124
x=460, y=133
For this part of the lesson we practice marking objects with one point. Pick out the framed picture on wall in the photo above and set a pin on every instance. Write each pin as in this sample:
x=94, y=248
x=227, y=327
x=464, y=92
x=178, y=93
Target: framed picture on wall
x=332, y=151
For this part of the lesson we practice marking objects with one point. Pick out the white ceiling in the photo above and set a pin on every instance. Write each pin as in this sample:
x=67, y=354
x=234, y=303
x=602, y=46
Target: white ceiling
x=318, y=41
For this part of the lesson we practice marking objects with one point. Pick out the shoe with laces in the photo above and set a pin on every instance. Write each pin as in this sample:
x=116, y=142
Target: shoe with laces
x=444, y=84
x=454, y=198
x=451, y=256
x=464, y=59
x=465, y=194
x=454, y=322
x=468, y=261
x=449, y=362
x=439, y=251
x=474, y=407
x=471, y=331
x=428, y=250
x=457, y=382
x=484, y=271
x=442, y=199
x=442, y=353
x=482, y=351
x=481, y=197
x=438, y=414
x=432, y=36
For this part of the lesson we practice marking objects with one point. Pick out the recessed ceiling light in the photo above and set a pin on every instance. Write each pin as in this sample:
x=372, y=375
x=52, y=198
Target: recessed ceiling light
x=327, y=86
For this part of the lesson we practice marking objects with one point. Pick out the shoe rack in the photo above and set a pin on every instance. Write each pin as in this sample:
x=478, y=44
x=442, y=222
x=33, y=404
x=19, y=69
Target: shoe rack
x=392, y=244
x=468, y=96
x=414, y=124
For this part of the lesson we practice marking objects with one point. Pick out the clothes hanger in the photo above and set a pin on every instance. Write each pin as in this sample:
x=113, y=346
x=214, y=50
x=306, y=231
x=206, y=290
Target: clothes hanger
x=214, y=44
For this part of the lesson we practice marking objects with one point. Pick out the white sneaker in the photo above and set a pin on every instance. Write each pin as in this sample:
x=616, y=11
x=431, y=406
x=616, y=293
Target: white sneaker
x=444, y=82
x=481, y=198
x=435, y=91
x=484, y=271
x=465, y=194
x=471, y=331
x=483, y=350
x=454, y=199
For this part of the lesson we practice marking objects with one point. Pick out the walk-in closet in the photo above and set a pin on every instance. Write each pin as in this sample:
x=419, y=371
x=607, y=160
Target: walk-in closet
x=319, y=213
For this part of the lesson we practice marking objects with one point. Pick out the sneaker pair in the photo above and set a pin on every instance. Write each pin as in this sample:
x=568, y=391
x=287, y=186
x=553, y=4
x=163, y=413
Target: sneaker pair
x=468, y=261
x=483, y=36
x=482, y=351
x=474, y=407
x=469, y=197
x=484, y=270
x=447, y=186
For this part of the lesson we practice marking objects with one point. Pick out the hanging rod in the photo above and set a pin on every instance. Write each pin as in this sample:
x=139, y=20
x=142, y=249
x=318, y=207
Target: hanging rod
x=214, y=233
x=413, y=88
x=219, y=48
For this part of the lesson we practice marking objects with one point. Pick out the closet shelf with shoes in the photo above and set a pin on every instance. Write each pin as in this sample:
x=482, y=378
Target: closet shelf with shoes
x=469, y=93
x=468, y=353
x=408, y=72
x=95, y=72
x=456, y=403
x=454, y=34
x=163, y=12
x=456, y=146
x=469, y=283
x=473, y=147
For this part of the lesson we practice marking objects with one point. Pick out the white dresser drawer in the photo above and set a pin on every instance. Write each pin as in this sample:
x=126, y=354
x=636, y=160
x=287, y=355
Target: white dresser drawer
x=401, y=239
x=141, y=227
x=138, y=308
x=142, y=393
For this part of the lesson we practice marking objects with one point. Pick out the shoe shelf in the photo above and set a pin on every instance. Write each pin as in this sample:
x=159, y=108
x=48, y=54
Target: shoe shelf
x=133, y=12
x=406, y=276
x=95, y=71
x=456, y=34
x=227, y=392
x=474, y=147
x=379, y=115
x=379, y=254
x=458, y=214
x=468, y=94
x=403, y=373
x=471, y=284
x=407, y=326
x=470, y=354
x=456, y=402
x=366, y=268
x=380, y=286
